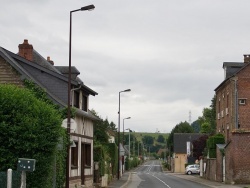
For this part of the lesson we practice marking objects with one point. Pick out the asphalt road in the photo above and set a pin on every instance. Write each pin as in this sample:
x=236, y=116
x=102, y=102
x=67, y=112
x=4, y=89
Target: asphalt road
x=150, y=175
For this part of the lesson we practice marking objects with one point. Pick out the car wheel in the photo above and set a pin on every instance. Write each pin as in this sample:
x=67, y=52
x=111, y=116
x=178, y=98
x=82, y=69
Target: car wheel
x=189, y=172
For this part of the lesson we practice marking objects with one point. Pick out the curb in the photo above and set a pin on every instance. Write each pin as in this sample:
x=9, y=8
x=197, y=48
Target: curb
x=125, y=184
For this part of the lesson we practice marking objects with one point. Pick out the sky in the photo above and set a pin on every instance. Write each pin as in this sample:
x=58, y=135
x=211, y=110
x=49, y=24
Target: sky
x=168, y=52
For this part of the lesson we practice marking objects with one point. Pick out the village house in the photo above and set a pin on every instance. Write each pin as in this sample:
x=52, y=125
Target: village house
x=232, y=164
x=183, y=150
x=28, y=64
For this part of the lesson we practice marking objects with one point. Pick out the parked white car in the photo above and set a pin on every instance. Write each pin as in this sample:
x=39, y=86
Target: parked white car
x=192, y=169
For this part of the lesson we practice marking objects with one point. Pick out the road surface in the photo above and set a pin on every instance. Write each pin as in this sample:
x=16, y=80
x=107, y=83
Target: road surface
x=150, y=175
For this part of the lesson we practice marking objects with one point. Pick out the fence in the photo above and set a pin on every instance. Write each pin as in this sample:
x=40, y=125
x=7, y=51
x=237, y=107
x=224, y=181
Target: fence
x=16, y=179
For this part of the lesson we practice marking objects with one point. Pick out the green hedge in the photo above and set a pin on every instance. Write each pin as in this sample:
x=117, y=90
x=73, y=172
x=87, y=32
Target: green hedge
x=30, y=127
x=113, y=153
x=129, y=164
x=211, y=144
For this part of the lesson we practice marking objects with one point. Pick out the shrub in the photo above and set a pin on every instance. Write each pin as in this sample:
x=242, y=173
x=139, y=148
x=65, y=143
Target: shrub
x=211, y=144
x=29, y=128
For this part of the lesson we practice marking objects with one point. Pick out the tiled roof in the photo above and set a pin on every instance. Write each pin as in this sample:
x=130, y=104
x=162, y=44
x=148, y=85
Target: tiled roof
x=181, y=139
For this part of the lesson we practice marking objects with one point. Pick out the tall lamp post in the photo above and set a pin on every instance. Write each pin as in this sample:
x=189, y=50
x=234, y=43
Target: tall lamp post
x=118, y=169
x=89, y=7
x=123, y=130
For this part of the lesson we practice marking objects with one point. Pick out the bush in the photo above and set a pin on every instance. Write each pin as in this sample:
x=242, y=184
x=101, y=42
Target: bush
x=29, y=128
x=211, y=144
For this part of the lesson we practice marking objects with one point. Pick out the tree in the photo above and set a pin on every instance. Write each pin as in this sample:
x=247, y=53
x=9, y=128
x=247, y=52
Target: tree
x=206, y=128
x=209, y=118
x=112, y=126
x=148, y=140
x=161, y=139
x=196, y=126
x=101, y=130
x=199, y=145
x=29, y=128
x=182, y=127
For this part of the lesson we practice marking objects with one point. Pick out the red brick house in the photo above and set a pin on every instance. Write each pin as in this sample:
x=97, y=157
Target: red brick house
x=233, y=121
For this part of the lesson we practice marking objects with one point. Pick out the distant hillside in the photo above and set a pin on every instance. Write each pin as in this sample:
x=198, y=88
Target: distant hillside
x=140, y=135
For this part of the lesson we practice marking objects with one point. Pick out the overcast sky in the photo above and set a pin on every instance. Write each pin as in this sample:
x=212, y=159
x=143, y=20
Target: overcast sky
x=169, y=53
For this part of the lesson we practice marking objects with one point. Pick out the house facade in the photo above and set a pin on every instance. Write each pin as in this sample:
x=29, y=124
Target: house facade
x=28, y=64
x=183, y=150
x=233, y=121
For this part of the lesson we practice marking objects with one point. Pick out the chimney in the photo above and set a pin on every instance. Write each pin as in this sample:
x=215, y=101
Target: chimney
x=26, y=50
x=246, y=58
x=51, y=62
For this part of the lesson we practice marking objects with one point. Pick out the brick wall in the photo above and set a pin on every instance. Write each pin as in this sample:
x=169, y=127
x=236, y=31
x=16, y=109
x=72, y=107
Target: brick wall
x=244, y=93
x=225, y=109
x=219, y=171
x=8, y=75
x=210, y=171
x=239, y=158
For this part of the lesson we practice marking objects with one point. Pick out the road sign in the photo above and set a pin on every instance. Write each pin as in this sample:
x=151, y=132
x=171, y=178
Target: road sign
x=26, y=164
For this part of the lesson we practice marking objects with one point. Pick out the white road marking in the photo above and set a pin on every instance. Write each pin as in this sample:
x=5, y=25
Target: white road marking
x=161, y=181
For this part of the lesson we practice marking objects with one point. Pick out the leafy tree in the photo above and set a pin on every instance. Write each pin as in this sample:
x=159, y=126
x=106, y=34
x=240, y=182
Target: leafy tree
x=206, y=128
x=148, y=140
x=209, y=118
x=196, y=126
x=161, y=138
x=100, y=130
x=29, y=128
x=199, y=145
x=112, y=126
x=182, y=127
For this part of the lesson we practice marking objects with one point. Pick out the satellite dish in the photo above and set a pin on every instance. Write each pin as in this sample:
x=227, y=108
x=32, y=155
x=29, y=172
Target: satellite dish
x=73, y=124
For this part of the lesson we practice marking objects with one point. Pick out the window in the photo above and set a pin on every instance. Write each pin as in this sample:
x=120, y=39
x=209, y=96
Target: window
x=86, y=154
x=85, y=103
x=242, y=101
x=76, y=99
x=74, y=156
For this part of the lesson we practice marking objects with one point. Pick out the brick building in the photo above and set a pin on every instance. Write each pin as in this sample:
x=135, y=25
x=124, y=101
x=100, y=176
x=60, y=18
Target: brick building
x=233, y=121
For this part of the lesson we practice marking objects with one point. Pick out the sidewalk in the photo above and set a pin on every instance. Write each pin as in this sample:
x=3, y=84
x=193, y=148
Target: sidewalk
x=213, y=184
x=124, y=180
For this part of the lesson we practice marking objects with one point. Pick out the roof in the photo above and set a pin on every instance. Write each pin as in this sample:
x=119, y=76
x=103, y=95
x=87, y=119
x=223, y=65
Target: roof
x=45, y=75
x=65, y=71
x=40, y=60
x=181, y=139
x=221, y=146
x=231, y=70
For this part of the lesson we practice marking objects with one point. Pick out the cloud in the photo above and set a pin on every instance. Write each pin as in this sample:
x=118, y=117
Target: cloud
x=169, y=53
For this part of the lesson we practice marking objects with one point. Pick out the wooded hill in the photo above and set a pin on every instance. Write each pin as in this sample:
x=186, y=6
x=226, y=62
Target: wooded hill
x=155, y=141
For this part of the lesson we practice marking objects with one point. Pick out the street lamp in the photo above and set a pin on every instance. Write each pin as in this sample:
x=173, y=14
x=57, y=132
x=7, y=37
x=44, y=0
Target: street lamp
x=89, y=7
x=128, y=143
x=118, y=169
x=123, y=130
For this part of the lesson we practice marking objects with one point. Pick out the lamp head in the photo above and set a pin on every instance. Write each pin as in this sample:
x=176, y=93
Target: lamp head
x=89, y=7
x=127, y=90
